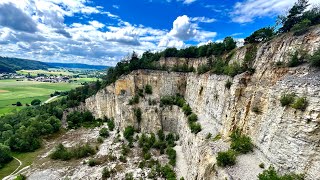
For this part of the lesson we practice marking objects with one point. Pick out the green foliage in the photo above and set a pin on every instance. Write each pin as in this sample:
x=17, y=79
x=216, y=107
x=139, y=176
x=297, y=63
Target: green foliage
x=138, y=114
x=195, y=127
x=61, y=153
x=179, y=101
x=92, y=162
x=134, y=100
x=77, y=119
x=111, y=124
x=271, y=174
x=18, y=103
x=22, y=131
x=261, y=35
x=228, y=84
x=209, y=135
x=295, y=59
x=301, y=27
x=35, y=102
x=11, y=65
x=148, y=89
x=5, y=156
x=128, y=133
x=100, y=140
x=241, y=143
x=300, y=103
x=77, y=152
x=192, y=118
x=182, y=68
x=168, y=173
x=203, y=69
x=104, y=132
x=295, y=16
x=147, y=156
x=21, y=177
x=315, y=59
x=287, y=99
x=187, y=109
x=172, y=156
x=106, y=173
x=227, y=158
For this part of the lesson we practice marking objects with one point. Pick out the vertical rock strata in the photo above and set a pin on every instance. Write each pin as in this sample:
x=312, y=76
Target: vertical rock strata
x=284, y=137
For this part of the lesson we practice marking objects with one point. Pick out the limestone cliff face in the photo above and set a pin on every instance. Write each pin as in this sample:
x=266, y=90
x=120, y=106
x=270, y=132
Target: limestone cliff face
x=286, y=138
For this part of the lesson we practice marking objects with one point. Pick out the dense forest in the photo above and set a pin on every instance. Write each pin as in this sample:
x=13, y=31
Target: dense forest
x=22, y=131
x=11, y=65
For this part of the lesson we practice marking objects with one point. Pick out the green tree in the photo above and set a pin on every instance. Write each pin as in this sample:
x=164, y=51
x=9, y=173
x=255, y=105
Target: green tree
x=261, y=35
x=35, y=102
x=294, y=16
x=5, y=156
x=229, y=43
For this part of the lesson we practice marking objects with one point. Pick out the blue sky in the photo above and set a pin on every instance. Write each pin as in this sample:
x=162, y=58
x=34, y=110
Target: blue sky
x=105, y=31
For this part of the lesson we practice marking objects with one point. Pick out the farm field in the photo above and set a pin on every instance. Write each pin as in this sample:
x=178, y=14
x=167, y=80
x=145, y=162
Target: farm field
x=12, y=91
x=52, y=71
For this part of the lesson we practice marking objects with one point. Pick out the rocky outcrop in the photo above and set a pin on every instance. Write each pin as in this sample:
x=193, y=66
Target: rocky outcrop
x=286, y=138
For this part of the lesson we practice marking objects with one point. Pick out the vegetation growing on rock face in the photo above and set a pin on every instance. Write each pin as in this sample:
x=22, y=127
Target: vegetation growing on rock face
x=77, y=152
x=240, y=142
x=227, y=158
x=300, y=103
x=77, y=119
x=148, y=89
x=287, y=99
x=261, y=35
x=134, y=100
x=104, y=132
x=128, y=133
x=111, y=125
x=315, y=59
x=271, y=174
x=138, y=114
x=179, y=101
x=228, y=84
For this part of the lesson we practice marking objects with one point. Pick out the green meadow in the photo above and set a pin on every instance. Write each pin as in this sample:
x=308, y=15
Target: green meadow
x=12, y=91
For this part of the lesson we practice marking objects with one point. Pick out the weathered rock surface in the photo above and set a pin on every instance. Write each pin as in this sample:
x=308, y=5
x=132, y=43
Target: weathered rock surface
x=286, y=138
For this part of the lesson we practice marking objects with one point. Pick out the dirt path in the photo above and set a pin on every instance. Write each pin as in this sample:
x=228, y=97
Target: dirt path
x=50, y=99
x=12, y=175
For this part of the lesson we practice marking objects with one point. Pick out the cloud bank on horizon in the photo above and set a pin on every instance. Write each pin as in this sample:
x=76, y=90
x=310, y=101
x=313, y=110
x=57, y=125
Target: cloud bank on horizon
x=95, y=32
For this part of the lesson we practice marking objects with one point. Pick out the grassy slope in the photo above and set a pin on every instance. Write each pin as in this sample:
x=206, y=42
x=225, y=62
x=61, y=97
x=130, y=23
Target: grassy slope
x=12, y=91
x=25, y=158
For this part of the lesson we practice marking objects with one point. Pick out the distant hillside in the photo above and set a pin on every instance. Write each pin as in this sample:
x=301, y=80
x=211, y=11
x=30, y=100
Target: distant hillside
x=11, y=65
x=78, y=66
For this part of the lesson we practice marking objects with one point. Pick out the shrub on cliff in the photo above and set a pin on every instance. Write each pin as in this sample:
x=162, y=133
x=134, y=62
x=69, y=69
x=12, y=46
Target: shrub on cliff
x=271, y=174
x=128, y=133
x=300, y=103
x=172, y=156
x=192, y=118
x=134, y=100
x=241, y=143
x=315, y=59
x=195, y=127
x=110, y=124
x=187, y=109
x=104, y=132
x=228, y=84
x=138, y=114
x=287, y=99
x=148, y=89
x=227, y=158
